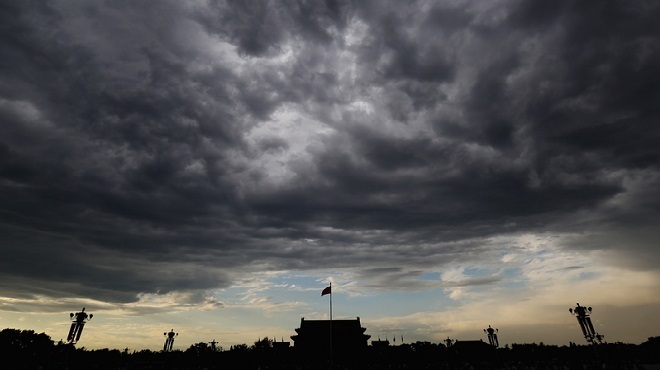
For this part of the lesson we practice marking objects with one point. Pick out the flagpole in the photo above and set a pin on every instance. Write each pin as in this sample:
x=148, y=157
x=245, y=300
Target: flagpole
x=328, y=290
x=331, y=303
x=331, y=364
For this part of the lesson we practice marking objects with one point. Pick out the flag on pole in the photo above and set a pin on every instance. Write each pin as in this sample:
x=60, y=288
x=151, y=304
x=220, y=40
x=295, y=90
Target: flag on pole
x=325, y=291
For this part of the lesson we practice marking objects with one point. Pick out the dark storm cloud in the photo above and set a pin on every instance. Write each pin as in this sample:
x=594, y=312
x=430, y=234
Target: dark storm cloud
x=262, y=27
x=129, y=161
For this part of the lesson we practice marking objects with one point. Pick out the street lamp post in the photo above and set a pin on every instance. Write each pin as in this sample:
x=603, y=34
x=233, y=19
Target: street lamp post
x=79, y=319
x=492, y=336
x=583, y=317
x=169, y=340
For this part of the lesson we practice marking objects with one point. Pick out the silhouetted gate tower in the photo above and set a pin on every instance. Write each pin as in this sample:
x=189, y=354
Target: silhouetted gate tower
x=79, y=320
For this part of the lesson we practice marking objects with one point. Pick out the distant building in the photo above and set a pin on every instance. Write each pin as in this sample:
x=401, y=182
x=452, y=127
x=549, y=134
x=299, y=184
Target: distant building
x=313, y=338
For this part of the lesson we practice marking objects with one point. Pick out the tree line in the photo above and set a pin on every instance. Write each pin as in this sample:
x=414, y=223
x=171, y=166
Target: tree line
x=26, y=349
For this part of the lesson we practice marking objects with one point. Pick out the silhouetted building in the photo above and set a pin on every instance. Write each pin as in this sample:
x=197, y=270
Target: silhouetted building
x=313, y=338
x=281, y=345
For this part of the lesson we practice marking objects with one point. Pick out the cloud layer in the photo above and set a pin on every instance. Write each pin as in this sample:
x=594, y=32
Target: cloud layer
x=175, y=148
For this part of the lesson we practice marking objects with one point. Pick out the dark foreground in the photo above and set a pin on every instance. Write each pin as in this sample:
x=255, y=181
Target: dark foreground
x=25, y=349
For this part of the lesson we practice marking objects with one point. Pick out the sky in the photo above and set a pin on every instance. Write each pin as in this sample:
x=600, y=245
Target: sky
x=210, y=166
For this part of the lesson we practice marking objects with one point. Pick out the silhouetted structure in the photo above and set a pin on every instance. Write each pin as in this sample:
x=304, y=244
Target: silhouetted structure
x=25, y=349
x=79, y=320
x=582, y=314
x=473, y=350
x=169, y=340
x=492, y=336
x=281, y=345
x=313, y=338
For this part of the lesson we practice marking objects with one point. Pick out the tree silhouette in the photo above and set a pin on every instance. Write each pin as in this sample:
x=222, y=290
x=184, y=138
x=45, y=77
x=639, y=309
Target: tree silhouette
x=263, y=344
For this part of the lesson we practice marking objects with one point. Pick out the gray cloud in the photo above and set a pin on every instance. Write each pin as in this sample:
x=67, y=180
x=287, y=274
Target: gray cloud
x=127, y=163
